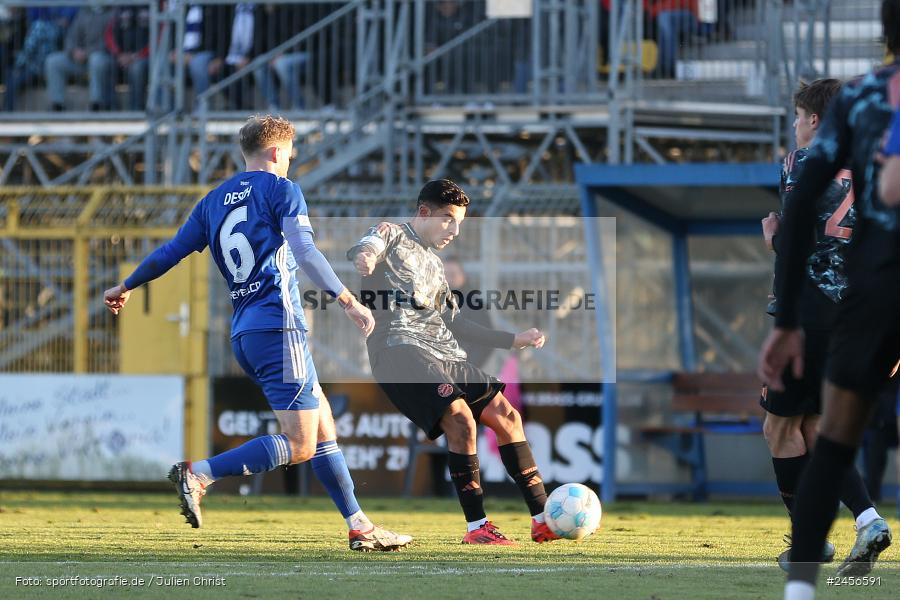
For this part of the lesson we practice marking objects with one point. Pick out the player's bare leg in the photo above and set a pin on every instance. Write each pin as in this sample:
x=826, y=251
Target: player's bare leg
x=331, y=469
x=788, y=445
x=296, y=444
x=505, y=420
x=460, y=429
x=844, y=418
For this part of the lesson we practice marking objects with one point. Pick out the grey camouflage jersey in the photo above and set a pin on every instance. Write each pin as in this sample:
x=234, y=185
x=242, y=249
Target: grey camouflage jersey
x=410, y=294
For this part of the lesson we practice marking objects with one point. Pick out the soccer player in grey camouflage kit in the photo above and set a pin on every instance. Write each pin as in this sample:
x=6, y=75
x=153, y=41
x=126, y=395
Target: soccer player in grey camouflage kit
x=418, y=363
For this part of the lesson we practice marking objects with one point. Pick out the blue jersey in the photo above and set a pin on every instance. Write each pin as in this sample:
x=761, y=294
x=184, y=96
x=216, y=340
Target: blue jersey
x=242, y=222
x=892, y=147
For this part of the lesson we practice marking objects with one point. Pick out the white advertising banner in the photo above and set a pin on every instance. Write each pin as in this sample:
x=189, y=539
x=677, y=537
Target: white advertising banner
x=90, y=427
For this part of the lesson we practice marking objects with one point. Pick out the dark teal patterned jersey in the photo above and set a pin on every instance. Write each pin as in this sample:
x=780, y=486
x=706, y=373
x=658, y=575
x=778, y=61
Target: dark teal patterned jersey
x=851, y=137
x=836, y=217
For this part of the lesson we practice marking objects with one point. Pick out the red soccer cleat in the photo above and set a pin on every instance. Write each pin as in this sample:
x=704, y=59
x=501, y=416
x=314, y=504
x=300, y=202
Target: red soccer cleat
x=487, y=534
x=540, y=533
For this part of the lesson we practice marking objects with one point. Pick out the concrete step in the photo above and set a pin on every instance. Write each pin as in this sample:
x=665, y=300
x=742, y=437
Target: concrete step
x=749, y=70
x=847, y=10
x=859, y=27
x=855, y=30
x=722, y=90
x=750, y=50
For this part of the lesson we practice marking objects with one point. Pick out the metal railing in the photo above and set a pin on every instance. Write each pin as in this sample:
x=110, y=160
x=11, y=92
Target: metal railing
x=61, y=247
x=357, y=76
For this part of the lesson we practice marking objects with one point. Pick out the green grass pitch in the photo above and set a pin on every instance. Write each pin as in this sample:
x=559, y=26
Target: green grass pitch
x=267, y=547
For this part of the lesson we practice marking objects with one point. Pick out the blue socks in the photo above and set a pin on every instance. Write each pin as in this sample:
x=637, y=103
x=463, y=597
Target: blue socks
x=256, y=456
x=269, y=451
x=331, y=470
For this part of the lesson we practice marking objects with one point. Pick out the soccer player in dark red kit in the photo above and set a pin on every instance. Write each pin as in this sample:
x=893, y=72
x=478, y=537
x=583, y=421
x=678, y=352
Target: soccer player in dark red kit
x=865, y=342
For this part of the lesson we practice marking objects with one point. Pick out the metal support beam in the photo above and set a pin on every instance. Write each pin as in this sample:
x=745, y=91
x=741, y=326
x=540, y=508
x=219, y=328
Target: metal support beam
x=605, y=324
x=683, y=304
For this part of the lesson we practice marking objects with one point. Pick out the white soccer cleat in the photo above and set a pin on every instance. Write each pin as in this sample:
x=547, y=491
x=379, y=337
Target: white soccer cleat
x=190, y=490
x=378, y=539
x=871, y=541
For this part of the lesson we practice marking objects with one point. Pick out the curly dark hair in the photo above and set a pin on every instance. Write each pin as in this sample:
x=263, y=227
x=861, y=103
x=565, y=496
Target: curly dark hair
x=442, y=192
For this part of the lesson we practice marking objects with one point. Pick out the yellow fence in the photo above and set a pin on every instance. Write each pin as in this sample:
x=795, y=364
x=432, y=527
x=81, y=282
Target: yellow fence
x=61, y=247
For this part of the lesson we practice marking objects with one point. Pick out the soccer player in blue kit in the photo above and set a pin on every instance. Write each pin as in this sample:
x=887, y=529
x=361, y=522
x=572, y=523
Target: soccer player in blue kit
x=258, y=230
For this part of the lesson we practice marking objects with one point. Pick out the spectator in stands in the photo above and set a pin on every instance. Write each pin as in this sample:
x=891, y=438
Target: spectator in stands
x=675, y=20
x=46, y=27
x=127, y=38
x=275, y=24
x=12, y=32
x=205, y=45
x=240, y=51
x=445, y=20
x=83, y=53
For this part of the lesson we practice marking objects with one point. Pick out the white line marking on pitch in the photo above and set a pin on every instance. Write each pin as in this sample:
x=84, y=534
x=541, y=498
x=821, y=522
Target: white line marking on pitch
x=387, y=569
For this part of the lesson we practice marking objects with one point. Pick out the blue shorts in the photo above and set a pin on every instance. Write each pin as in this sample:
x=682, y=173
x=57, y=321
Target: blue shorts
x=281, y=364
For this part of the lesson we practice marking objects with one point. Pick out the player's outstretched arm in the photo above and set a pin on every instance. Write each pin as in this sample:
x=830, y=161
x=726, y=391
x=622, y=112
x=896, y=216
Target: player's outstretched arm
x=191, y=237
x=530, y=338
x=314, y=264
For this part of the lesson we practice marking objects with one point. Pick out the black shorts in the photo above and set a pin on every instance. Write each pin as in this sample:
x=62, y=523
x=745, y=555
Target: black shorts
x=865, y=342
x=422, y=387
x=801, y=396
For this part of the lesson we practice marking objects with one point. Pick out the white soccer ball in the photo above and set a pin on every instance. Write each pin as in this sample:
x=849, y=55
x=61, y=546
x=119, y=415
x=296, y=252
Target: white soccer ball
x=573, y=511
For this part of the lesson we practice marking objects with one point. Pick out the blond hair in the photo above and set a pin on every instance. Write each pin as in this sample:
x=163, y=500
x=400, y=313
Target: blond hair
x=262, y=131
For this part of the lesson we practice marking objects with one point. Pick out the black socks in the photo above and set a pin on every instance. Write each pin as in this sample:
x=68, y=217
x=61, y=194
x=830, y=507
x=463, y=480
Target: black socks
x=466, y=477
x=854, y=493
x=816, y=505
x=787, y=475
x=519, y=463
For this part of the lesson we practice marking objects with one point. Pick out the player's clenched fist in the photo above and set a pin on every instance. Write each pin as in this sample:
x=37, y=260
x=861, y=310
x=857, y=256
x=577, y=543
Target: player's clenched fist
x=531, y=338
x=115, y=298
x=365, y=262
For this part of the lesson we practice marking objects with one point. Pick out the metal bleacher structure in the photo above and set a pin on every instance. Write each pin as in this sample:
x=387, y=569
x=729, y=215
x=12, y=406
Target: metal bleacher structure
x=411, y=109
x=394, y=96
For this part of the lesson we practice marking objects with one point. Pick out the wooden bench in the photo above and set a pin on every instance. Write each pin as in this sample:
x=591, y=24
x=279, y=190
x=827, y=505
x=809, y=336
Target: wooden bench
x=721, y=403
